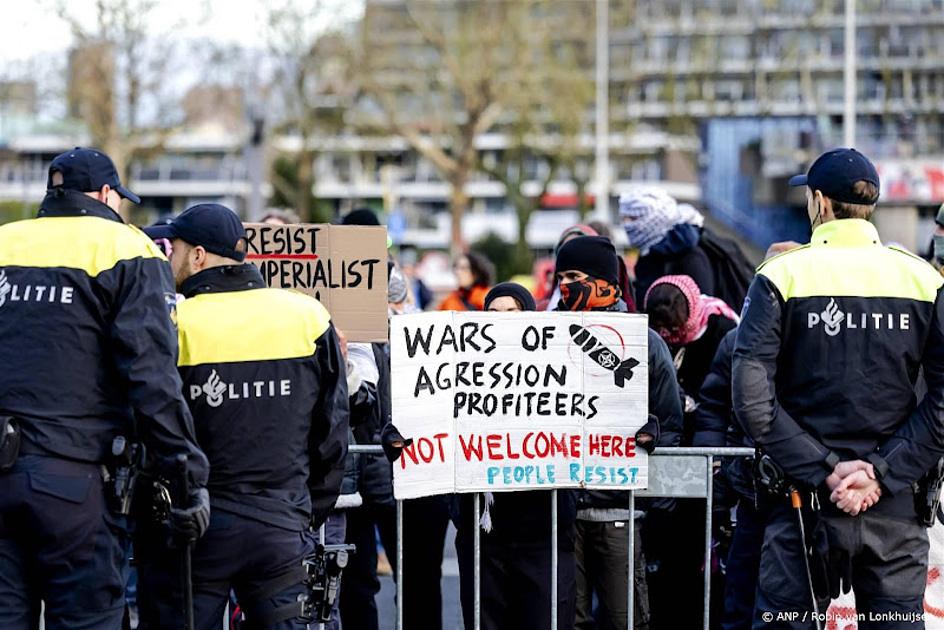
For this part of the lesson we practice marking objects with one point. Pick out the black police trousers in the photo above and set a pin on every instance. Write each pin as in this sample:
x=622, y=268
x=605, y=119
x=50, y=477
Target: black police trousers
x=237, y=553
x=889, y=551
x=60, y=545
x=742, y=566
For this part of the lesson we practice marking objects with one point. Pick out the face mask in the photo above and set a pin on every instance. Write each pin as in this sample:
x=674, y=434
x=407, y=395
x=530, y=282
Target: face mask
x=588, y=294
x=939, y=247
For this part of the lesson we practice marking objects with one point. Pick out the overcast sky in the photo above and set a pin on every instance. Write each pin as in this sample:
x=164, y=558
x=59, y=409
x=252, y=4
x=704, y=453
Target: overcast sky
x=32, y=27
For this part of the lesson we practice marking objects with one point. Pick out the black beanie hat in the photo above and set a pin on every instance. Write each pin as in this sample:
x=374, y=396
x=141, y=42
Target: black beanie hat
x=593, y=255
x=361, y=216
x=513, y=290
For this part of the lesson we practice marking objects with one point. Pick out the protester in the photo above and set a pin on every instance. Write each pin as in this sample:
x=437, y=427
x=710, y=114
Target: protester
x=551, y=291
x=419, y=292
x=692, y=324
x=426, y=520
x=823, y=379
x=265, y=379
x=377, y=514
x=715, y=426
x=474, y=275
x=625, y=280
x=672, y=240
x=515, y=560
x=87, y=345
x=588, y=274
x=937, y=241
x=281, y=217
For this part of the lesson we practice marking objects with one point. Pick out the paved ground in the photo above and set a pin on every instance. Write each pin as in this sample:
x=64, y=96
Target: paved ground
x=452, y=615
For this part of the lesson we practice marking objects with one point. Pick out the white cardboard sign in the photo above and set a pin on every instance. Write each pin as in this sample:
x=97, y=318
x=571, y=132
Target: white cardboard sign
x=515, y=401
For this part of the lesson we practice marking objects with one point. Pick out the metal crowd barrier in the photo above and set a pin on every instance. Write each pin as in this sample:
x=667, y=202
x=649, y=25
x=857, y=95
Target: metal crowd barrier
x=680, y=472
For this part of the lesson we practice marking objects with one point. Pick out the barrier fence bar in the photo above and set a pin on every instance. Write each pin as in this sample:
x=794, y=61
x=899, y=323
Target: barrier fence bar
x=708, y=453
x=631, y=558
x=399, y=564
x=554, y=560
x=709, y=479
x=477, y=560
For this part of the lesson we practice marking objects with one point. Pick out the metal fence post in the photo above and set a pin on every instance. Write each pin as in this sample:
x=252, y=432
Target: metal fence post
x=477, y=560
x=554, y=560
x=400, y=565
x=709, y=504
x=631, y=589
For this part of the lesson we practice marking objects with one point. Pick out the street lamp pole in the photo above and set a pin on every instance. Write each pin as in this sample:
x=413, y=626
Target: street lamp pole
x=849, y=77
x=602, y=206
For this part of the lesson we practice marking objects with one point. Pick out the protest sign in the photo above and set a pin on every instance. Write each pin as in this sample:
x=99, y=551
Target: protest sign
x=345, y=267
x=516, y=401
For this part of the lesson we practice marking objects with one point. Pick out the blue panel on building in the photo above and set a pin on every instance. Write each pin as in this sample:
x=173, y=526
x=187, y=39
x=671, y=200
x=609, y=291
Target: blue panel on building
x=729, y=192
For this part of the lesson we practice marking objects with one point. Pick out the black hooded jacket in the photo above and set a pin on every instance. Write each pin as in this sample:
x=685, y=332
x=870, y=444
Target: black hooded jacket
x=87, y=339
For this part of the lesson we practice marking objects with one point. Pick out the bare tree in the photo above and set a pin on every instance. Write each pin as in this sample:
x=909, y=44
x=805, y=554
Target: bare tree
x=119, y=78
x=546, y=114
x=311, y=89
x=446, y=90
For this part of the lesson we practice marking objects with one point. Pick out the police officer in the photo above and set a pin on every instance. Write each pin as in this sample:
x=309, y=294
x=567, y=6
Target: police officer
x=87, y=346
x=264, y=377
x=824, y=369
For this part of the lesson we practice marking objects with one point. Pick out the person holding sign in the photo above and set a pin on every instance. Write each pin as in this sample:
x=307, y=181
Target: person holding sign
x=264, y=378
x=516, y=565
x=588, y=273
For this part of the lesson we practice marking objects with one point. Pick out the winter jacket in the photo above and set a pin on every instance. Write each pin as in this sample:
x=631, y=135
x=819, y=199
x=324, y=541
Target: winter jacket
x=715, y=424
x=264, y=377
x=87, y=339
x=664, y=403
x=828, y=353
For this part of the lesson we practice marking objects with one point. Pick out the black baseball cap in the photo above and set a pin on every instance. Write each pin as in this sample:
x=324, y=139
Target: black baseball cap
x=87, y=170
x=214, y=227
x=835, y=173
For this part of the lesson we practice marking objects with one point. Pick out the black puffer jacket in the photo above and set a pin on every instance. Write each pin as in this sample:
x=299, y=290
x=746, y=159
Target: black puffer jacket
x=664, y=403
x=715, y=424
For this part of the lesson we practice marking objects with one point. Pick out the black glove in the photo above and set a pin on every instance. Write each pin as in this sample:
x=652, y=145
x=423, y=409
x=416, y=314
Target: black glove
x=189, y=523
x=650, y=428
x=392, y=442
x=830, y=564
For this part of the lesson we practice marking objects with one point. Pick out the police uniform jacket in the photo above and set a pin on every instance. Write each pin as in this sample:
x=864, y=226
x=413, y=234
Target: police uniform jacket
x=828, y=352
x=87, y=341
x=264, y=377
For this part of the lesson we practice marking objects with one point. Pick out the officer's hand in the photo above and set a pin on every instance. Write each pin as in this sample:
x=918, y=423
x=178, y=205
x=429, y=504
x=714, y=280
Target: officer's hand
x=393, y=443
x=856, y=493
x=844, y=469
x=189, y=523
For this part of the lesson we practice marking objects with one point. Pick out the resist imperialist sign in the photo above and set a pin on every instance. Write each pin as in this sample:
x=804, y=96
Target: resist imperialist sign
x=516, y=401
x=344, y=267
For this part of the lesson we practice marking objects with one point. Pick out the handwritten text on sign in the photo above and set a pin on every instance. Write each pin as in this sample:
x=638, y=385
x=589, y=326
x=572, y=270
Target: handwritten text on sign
x=345, y=267
x=511, y=401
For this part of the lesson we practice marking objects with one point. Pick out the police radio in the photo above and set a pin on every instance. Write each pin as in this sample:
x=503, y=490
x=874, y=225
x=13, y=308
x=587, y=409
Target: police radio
x=324, y=569
x=125, y=462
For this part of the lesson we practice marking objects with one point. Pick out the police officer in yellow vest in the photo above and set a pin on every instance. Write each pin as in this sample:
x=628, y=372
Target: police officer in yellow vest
x=87, y=367
x=264, y=377
x=824, y=370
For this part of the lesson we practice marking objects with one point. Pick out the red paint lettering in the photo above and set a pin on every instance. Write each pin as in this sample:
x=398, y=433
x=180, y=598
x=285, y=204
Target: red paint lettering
x=575, y=446
x=524, y=446
x=559, y=446
x=472, y=447
x=494, y=446
x=511, y=454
